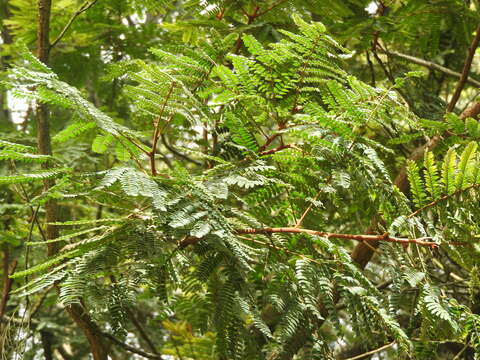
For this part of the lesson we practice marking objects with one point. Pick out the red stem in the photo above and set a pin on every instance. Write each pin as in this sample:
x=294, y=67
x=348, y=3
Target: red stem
x=385, y=237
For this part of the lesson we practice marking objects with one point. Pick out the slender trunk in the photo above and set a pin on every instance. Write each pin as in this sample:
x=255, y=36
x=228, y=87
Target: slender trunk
x=77, y=313
x=46, y=338
x=5, y=116
x=7, y=282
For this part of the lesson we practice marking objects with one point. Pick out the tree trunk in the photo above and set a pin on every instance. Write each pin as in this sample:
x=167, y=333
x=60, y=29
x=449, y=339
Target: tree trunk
x=77, y=313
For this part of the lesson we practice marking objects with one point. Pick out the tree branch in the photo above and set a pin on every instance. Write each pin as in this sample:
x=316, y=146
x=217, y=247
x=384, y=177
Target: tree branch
x=361, y=356
x=431, y=65
x=176, y=152
x=76, y=312
x=280, y=148
x=85, y=6
x=190, y=240
x=443, y=198
x=131, y=348
x=271, y=7
x=385, y=237
x=142, y=332
x=465, y=71
x=158, y=130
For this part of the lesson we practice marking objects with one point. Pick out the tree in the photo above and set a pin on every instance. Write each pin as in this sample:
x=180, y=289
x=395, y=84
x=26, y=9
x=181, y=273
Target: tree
x=240, y=179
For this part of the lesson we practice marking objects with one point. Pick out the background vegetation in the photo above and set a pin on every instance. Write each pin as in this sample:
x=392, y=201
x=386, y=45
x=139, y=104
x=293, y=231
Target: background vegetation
x=275, y=179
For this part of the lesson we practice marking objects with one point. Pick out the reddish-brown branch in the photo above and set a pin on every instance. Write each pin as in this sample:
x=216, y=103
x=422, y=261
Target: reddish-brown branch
x=220, y=14
x=280, y=148
x=466, y=70
x=423, y=241
x=270, y=139
x=385, y=237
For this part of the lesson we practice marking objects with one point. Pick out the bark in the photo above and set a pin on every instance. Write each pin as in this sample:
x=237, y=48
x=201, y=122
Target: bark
x=46, y=344
x=7, y=282
x=4, y=61
x=77, y=313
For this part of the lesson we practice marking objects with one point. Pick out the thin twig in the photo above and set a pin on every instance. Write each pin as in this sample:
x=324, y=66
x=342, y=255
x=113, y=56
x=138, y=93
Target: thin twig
x=268, y=141
x=371, y=352
x=271, y=7
x=142, y=332
x=176, y=152
x=39, y=304
x=457, y=357
x=465, y=71
x=299, y=223
x=443, y=198
x=85, y=6
x=131, y=348
x=372, y=71
x=431, y=65
x=158, y=129
x=280, y=148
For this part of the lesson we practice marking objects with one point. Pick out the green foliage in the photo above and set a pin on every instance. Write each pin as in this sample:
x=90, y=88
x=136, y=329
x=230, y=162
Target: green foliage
x=212, y=159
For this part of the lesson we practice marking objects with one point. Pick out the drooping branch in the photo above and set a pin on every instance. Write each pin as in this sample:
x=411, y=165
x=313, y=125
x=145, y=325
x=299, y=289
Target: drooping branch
x=176, y=152
x=430, y=65
x=443, y=198
x=466, y=70
x=142, y=332
x=130, y=348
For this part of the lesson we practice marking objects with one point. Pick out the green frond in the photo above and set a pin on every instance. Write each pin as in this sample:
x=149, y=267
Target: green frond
x=448, y=171
x=7, y=145
x=432, y=178
x=101, y=142
x=466, y=166
x=6, y=154
x=73, y=130
x=34, y=176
